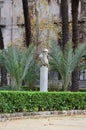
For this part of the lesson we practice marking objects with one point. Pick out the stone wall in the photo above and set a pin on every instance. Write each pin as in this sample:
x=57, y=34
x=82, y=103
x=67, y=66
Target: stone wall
x=12, y=16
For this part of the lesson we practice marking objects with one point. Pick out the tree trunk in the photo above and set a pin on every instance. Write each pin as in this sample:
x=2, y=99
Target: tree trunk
x=37, y=4
x=1, y=40
x=65, y=29
x=3, y=76
x=3, y=69
x=27, y=22
x=75, y=74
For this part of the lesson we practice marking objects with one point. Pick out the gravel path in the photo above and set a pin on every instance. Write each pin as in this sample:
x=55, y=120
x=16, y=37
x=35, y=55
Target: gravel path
x=47, y=123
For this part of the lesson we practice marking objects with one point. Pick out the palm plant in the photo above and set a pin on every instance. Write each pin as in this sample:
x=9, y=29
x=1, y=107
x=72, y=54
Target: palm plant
x=65, y=63
x=17, y=62
x=32, y=75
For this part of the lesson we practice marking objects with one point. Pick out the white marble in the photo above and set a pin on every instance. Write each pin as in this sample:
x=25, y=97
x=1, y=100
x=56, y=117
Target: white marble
x=44, y=71
x=44, y=79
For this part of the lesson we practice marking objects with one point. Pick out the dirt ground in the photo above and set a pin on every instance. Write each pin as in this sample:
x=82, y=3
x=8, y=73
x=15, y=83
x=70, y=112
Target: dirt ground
x=46, y=123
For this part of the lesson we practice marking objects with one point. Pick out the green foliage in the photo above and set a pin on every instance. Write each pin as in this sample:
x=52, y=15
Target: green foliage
x=65, y=62
x=32, y=75
x=17, y=62
x=41, y=101
x=82, y=66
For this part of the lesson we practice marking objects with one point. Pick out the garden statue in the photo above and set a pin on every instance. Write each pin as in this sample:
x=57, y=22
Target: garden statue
x=44, y=71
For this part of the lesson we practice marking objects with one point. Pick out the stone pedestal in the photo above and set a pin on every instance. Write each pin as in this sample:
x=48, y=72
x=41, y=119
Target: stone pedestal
x=44, y=79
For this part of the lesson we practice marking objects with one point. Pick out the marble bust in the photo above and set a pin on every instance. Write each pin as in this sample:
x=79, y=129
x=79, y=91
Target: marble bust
x=44, y=57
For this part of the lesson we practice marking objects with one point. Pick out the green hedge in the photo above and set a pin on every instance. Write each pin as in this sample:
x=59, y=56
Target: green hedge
x=13, y=101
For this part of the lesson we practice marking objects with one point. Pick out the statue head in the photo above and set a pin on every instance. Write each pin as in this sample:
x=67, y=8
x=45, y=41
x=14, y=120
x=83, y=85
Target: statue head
x=45, y=51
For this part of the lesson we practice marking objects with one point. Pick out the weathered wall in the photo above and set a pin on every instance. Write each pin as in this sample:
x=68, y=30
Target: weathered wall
x=49, y=13
x=11, y=12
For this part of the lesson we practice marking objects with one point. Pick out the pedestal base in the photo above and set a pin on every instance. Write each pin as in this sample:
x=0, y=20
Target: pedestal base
x=44, y=79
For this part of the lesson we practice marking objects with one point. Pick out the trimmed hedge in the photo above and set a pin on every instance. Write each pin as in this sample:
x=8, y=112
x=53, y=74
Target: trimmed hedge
x=14, y=101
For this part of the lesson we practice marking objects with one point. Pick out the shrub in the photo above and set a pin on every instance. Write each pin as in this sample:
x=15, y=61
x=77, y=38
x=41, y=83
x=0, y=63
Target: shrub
x=14, y=101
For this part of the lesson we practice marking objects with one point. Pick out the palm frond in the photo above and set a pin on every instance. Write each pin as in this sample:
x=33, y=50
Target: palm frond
x=65, y=62
x=28, y=59
x=17, y=62
x=79, y=52
x=57, y=56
